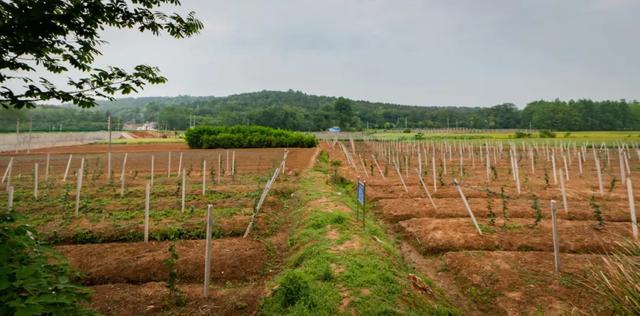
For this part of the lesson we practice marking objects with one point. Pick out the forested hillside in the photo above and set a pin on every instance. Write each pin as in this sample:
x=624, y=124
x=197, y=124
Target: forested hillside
x=299, y=111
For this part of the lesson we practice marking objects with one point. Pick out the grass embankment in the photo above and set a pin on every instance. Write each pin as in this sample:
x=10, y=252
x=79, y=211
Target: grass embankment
x=337, y=267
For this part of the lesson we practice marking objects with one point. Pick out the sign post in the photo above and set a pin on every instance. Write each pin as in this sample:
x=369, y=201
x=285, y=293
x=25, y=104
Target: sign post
x=361, y=199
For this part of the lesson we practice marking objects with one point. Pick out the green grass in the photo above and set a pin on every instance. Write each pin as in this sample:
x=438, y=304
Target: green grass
x=608, y=137
x=334, y=262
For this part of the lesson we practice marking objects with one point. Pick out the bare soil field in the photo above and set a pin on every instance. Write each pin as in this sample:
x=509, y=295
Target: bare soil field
x=104, y=241
x=509, y=268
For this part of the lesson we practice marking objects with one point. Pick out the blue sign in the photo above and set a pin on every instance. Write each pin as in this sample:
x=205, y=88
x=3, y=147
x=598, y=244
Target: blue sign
x=361, y=187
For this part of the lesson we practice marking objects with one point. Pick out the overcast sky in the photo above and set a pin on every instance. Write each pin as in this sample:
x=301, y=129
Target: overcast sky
x=432, y=52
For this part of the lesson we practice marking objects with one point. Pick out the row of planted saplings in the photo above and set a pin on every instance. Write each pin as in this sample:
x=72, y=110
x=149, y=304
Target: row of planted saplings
x=181, y=172
x=559, y=174
x=489, y=156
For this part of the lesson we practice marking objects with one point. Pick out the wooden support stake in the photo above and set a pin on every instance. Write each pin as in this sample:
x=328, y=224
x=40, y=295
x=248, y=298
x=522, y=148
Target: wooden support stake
x=556, y=237
x=207, y=250
x=433, y=172
x=553, y=165
x=147, y=203
x=66, y=171
x=233, y=163
x=466, y=205
x=632, y=209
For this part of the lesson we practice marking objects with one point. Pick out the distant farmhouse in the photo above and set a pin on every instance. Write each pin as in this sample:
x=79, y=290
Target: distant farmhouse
x=147, y=126
x=334, y=129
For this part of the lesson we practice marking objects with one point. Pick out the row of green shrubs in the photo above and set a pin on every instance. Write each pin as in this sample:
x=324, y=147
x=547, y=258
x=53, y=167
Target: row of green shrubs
x=246, y=136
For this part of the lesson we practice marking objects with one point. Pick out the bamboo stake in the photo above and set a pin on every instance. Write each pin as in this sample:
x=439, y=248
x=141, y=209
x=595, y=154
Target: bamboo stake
x=378, y=166
x=553, y=165
x=219, y=167
x=433, y=172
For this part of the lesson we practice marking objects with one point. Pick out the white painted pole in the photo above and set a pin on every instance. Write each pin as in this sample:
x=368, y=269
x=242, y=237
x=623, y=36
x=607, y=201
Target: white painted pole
x=109, y=149
x=46, y=169
x=553, y=165
x=632, y=209
x=35, y=181
x=226, y=168
x=580, y=162
x=219, y=167
x=66, y=171
x=169, y=166
x=153, y=167
x=204, y=177
x=556, y=237
x=233, y=163
x=79, y=188
x=433, y=172
x=564, y=192
x=207, y=250
x=466, y=205
x=122, y=174
x=147, y=204
x=424, y=187
x=180, y=169
x=378, y=166
x=400, y=176
x=184, y=191
x=566, y=168
x=11, y=190
x=599, y=173
x=6, y=171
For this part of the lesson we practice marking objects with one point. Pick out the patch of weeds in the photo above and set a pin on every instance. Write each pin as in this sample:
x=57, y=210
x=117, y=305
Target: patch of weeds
x=612, y=184
x=535, y=205
x=568, y=280
x=597, y=213
x=490, y=213
x=177, y=297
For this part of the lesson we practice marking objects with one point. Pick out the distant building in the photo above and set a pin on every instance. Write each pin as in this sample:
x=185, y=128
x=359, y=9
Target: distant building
x=147, y=126
x=335, y=129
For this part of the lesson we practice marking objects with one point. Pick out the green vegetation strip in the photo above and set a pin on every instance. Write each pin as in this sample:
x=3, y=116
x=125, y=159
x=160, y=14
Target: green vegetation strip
x=336, y=267
x=242, y=136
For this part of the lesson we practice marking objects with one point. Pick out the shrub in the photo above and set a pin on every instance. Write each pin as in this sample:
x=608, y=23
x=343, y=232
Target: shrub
x=545, y=133
x=522, y=135
x=34, y=279
x=243, y=136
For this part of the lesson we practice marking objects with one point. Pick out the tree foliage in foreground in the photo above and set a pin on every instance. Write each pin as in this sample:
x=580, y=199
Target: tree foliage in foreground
x=246, y=137
x=59, y=36
x=34, y=279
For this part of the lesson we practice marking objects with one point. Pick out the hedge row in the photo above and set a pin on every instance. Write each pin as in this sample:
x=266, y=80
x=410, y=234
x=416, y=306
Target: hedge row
x=243, y=136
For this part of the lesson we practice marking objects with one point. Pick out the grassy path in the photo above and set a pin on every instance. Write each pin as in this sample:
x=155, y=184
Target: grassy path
x=337, y=267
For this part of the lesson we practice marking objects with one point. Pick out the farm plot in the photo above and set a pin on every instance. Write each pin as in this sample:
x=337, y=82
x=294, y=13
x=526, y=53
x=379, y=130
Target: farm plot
x=98, y=222
x=491, y=201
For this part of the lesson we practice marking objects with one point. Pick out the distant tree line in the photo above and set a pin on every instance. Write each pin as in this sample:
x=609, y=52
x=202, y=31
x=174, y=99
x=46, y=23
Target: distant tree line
x=295, y=110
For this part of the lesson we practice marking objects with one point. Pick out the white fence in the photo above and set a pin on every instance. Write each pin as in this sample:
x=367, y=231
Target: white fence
x=11, y=142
